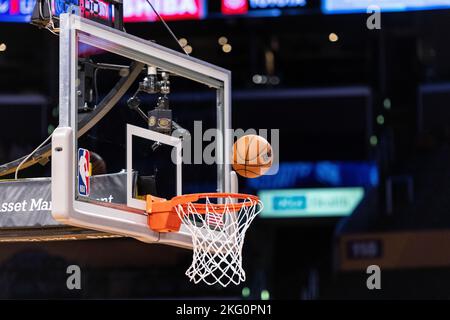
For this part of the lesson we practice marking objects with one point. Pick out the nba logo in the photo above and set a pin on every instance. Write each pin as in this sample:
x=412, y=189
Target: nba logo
x=83, y=172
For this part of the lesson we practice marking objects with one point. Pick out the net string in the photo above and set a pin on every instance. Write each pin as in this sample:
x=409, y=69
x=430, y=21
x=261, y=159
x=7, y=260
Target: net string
x=217, y=248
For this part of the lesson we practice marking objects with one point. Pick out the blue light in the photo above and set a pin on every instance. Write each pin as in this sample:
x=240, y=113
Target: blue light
x=19, y=12
x=26, y=9
x=324, y=173
x=264, y=4
x=360, y=6
x=328, y=172
x=15, y=18
x=62, y=6
x=264, y=13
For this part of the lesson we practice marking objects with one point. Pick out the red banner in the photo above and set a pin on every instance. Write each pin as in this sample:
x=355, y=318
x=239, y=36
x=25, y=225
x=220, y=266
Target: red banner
x=140, y=10
x=14, y=7
x=234, y=6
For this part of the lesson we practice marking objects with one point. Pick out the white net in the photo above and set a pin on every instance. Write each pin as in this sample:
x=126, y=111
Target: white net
x=218, y=234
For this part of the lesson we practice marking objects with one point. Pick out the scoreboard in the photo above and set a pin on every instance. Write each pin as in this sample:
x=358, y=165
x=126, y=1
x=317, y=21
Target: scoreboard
x=360, y=6
x=140, y=11
x=16, y=10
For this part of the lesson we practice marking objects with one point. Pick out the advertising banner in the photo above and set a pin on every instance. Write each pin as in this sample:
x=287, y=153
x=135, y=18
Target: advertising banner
x=140, y=11
x=310, y=203
x=25, y=208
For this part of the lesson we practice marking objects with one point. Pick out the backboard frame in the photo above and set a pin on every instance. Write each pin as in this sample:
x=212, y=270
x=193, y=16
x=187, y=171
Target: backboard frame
x=126, y=221
x=134, y=131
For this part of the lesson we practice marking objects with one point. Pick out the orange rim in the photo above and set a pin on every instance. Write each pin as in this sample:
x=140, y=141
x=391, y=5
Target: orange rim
x=190, y=200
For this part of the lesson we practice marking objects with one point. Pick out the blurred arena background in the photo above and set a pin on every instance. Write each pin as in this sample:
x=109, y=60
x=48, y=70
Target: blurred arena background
x=364, y=149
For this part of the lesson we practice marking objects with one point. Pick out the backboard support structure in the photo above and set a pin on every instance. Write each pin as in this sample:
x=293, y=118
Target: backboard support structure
x=128, y=220
x=133, y=131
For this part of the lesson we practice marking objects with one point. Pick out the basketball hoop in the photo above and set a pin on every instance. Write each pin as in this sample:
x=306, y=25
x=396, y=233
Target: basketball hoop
x=217, y=227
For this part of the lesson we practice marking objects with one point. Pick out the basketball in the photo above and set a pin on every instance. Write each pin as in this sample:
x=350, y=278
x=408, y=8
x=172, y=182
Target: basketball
x=252, y=156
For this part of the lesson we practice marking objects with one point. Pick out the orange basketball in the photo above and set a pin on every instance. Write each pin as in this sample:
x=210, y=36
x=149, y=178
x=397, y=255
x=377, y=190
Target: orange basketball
x=252, y=156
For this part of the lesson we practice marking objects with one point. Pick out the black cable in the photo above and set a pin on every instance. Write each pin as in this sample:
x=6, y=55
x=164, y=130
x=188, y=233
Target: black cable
x=167, y=27
x=95, y=86
x=103, y=66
